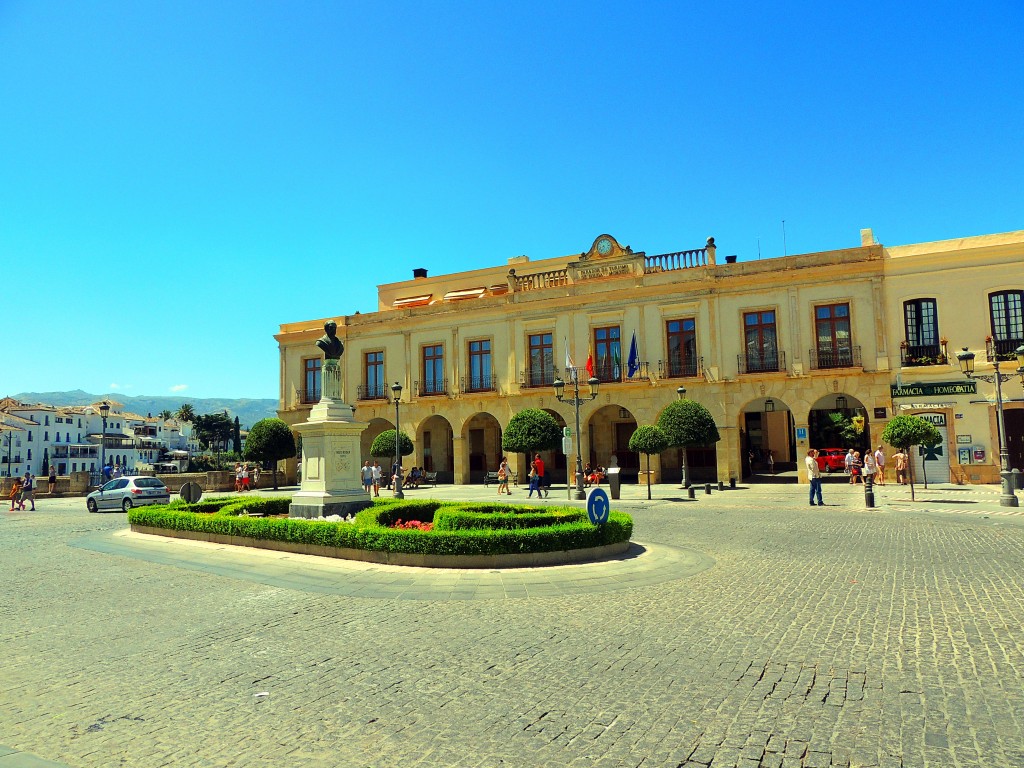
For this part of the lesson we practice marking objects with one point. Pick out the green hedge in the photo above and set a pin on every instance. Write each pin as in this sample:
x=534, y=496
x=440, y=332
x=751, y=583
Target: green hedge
x=369, y=530
x=460, y=519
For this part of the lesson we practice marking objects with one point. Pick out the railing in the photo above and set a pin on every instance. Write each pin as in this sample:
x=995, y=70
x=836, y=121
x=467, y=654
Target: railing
x=766, y=362
x=1002, y=349
x=681, y=368
x=530, y=379
x=372, y=392
x=922, y=354
x=554, y=279
x=479, y=383
x=666, y=262
x=431, y=387
x=608, y=371
x=75, y=452
x=308, y=396
x=823, y=359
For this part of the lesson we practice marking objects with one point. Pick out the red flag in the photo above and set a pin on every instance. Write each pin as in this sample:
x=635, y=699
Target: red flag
x=590, y=363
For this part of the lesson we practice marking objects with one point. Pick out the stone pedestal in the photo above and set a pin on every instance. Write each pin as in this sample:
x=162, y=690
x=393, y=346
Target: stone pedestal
x=331, y=484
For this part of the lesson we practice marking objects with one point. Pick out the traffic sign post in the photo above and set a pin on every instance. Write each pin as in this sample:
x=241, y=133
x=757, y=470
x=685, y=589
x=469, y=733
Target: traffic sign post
x=598, y=507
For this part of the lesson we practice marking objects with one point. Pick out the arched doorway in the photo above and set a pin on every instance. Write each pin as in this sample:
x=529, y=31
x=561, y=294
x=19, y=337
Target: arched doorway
x=375, y=427
x=609, y=429
x=435, y=449
x=839, y=421
x=767, y=441
x=482, y=434
x=555, y=461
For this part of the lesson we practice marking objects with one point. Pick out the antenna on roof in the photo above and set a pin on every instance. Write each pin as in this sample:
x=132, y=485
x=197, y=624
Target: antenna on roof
x=785, y=252
x=758, y=247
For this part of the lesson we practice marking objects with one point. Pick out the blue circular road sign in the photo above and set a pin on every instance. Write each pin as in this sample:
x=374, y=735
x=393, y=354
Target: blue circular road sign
x=598, y=506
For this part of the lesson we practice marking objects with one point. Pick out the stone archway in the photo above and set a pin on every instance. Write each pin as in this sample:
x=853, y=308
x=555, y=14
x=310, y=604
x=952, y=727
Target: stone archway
x=768, y=449
x=839, y=420
x=609, y=429
x=435, y=448
x=482, y=435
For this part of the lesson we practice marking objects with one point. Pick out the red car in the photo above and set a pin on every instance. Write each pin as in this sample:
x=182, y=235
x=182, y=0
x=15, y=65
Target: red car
x=832, y=460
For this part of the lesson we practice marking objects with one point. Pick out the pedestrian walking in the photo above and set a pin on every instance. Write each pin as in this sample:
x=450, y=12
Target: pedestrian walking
x=534, y=486
x=378, y=473
x=367, y=475
x=848, y=464
x=503, y=477
x=238, y=477
x=15, y=492
x=899, y=461
x=542, y=483
x=856, y=469
x=814, y=476
x=880, y=463
x=51, y=483
x=256, y=476
x=28, y=491
x=870, y=468
x=245, y=477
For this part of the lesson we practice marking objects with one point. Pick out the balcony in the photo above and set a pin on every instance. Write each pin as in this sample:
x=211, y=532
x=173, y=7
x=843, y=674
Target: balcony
x=828, y=358
x=1002, y=349
x=372, y=392
x=309, y=396
x=922, y=354
x=608, y=371
x=479, y=383
x=431, y=387
x=681, y=368
x=766, y=362
x=533, y=379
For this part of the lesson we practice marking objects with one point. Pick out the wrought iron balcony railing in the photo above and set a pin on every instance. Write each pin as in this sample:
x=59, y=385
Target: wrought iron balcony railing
x=922, y=354
x=532, y=378
x=682, y=367
x=826, y=358
x=309, y=396
x=1002, y=349
x=372, y=392
x=765, y=362
x=431, y=387
x=479, y=383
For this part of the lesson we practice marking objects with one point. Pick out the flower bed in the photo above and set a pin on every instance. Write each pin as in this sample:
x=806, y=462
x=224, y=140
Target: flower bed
x=460, y=531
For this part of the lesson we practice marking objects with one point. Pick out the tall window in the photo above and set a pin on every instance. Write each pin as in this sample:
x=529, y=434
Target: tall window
x=682, y=347
x=542, y=361
x=479, y=366
x=921, y=321
x=1007, y=321
x=433, y=370
x=607, y=354
x=761, y=341
x=832, y=329
x=311, y=394
x=374, y=364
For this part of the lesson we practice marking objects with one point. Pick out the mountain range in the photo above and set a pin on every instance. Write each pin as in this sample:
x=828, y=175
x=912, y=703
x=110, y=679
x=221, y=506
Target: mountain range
x=248, y=411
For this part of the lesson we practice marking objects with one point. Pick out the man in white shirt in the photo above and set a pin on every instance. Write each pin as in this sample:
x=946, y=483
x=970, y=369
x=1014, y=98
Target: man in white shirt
x=814, y=476
x=880, y=463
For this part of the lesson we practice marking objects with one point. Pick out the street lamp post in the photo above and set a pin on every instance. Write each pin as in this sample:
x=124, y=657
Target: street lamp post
x=1007, y=497
x=685, y=469
x=396, y=388
x=104, y=412
x=576, y=401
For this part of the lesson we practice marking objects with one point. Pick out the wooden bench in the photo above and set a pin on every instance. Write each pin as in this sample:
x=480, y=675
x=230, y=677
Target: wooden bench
x=491, y=477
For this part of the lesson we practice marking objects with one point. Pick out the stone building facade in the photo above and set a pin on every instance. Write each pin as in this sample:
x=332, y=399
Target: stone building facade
x=770, y=347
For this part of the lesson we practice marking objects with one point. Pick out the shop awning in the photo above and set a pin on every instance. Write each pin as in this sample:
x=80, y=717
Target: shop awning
x=413, y=301
x=469, y=293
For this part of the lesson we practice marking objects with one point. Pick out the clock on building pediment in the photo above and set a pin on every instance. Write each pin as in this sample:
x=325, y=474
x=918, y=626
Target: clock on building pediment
x=605, y=247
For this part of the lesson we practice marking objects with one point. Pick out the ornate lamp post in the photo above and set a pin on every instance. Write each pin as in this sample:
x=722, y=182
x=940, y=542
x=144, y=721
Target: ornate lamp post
x=681, y=395
x=1007, y=497
x=576, y=401
x=104, y=412
x=396, y=389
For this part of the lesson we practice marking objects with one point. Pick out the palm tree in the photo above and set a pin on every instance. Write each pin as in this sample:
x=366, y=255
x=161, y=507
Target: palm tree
x=186, y=413
x=165, y=414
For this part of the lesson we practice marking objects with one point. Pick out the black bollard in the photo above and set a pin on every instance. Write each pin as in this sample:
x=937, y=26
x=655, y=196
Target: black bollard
x=721, y=485
x=732, y=483
x=691, y=492
x=707, y=488
x=869, y=492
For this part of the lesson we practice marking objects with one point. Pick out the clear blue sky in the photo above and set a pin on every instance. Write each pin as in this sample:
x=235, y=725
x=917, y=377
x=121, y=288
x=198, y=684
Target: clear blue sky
x=173, y=176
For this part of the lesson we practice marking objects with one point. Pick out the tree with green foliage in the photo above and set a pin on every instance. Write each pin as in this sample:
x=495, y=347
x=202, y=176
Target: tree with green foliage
x=185, y=413
x=213, y=430
x=530, y=431
x=688, y=424
x=648, y=439
x=236, y=436
x=165, y=414
x=270, y=440
x=46, y=461
x=383, y=445
x=904, y=432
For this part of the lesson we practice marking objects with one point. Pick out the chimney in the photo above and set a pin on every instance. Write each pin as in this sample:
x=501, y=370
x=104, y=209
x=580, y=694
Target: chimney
x=419, y=273
x=867, y=237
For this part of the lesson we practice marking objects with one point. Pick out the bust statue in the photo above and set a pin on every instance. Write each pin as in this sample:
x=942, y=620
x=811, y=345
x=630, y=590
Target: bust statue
x=329, y=342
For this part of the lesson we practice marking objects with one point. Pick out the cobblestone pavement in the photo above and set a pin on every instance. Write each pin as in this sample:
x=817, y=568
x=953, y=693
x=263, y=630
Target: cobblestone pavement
x=834, y=636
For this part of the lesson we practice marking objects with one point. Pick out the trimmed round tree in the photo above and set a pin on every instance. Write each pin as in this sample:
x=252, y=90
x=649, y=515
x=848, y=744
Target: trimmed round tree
x=648, y=439
x=383, y=445
x=531, y=430
x=270, y=440
x=688, y=424
x=904, y=432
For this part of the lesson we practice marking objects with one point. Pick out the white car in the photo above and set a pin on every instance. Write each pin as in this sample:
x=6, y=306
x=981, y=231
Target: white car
x=127, y=492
